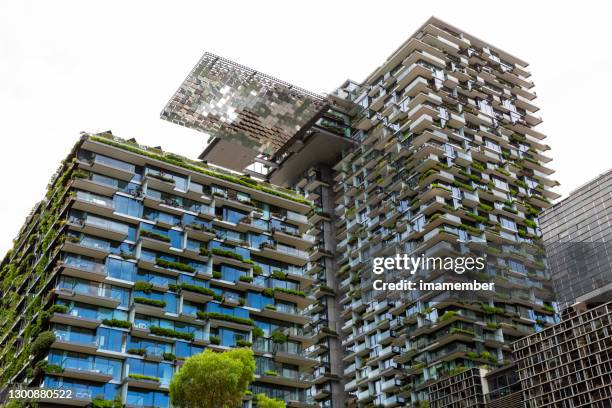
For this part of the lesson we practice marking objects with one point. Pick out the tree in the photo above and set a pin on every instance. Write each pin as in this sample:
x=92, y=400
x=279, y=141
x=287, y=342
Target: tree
x=213, y=380
x=264, y=401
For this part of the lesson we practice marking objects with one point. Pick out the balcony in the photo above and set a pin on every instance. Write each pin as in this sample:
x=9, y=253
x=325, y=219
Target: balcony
x=90, y=294
x=100, y=227
x=284, y=253
x=112, y=167
x=81, y=397
x=81, y=268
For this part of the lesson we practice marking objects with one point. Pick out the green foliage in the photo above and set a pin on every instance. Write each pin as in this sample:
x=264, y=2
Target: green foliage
x=143, y=286
x=179, y=266
x=271, y=373
x=278, y=274
x=150, y=302
x=278, y=337
x=198, y=289
x=117, y=323
x=99, y=402
x=162, y=331
x=214, y=340
x=264, y=401
x=41, y=345
x=143, y=377
x=227, y=254
x=243, y=343
x=169, y=357
x=245, y=278
x=257, y=332
x=137, y=351
x=456, y=330
x=448, y=314
x=154, y=235
x=225, y=317
x=291, y=291
x=213, y=380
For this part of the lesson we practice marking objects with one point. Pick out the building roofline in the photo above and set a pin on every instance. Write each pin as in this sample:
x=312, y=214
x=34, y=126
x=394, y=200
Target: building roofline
x=575, y=191
x=441, y=23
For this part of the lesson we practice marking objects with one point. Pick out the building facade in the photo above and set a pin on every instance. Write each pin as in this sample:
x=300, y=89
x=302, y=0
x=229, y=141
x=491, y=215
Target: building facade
x=569, y=364
x=137, y=259
x=577, y=234
x=435, y=153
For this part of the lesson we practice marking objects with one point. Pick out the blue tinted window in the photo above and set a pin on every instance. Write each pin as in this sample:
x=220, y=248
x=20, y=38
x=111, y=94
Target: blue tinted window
x=129, y=206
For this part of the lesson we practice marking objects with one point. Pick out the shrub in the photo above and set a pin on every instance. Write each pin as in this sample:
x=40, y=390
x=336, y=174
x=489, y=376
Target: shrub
x=214, y=340
x=257, y=332
x=216, y=275
x=271, y=373
x=161, y=331
x=227, y=254
x=278, y=274
x=291, y=291
x=278, y=337
x=225, y=317
x=471, y=354
x=269, y=292
x=169, y=357
x=204, y=251
x=270, y=307
x=150, y=302
x=456, y=330
x=143, y=377
x=179, y=266
x=448, y=314
x=57, y=309
x=243, y=343
x=245, y=278
x=154, y=235
x=195, y=288
x=257, y=270
x=143, y=286
x=42, y=344
x=137, y=351
x=117, y=323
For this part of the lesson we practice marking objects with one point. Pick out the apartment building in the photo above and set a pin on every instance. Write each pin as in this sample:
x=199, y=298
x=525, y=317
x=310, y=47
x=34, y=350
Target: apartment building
x=569, y=364
x=137, y=259
x=577, y=233
x=436, y=152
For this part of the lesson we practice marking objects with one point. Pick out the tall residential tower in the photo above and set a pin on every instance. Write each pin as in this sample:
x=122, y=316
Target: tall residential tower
x=138, y=258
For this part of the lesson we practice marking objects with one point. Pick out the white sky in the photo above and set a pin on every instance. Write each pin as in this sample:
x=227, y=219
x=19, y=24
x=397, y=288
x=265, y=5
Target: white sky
x=67, y=66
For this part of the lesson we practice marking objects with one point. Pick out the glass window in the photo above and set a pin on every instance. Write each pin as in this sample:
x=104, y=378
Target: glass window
x=129, y=206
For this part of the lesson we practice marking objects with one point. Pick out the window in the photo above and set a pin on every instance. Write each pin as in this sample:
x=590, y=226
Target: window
x=110, y=339
x=128, y=206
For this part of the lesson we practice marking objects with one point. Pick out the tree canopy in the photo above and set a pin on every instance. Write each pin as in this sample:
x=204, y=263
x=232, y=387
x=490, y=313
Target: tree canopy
x=213, y=380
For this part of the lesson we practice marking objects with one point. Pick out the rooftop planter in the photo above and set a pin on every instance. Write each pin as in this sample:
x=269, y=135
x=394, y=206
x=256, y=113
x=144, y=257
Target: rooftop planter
x=214, y=340
x=154, y=235
x=179, y=266
x=193, y=288
x=143, y=377
x=117, y=323
x=137, y=351
x=150, y=302
x=227, y=254
x=196, y=166
x=225, y=317
x=243, y=343
x=143, y=286
x=161, y=331
x=291, y=291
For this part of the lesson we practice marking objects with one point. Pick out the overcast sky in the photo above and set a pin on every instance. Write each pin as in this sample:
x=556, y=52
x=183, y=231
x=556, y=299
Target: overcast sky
x=68, y=66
